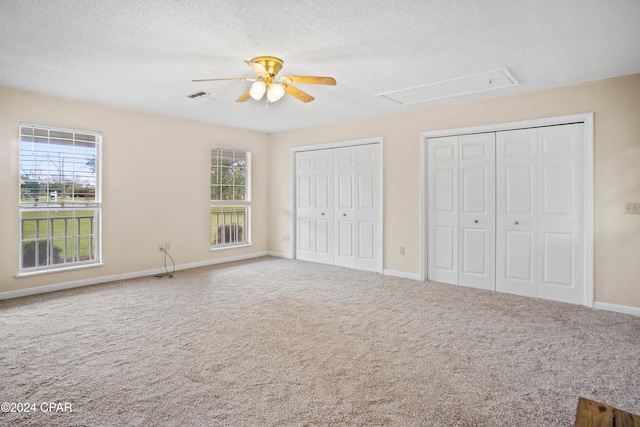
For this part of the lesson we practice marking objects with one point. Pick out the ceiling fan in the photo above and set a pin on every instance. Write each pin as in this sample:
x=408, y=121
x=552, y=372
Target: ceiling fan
x=267, y=67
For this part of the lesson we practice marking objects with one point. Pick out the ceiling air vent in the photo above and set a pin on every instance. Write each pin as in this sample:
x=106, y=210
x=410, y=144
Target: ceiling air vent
x=483, y=82
x=198, y=94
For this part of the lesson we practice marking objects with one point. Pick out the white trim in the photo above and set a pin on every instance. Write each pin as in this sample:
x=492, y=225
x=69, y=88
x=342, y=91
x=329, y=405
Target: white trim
x=27, y=273
x=279, y=255
x=105, y=279
x=589, y=233
x=634, y=311
x=422, y=226
x=401, y=274
x=294, y=195
x=497, y=127
x=62, y=129
x=216, y=248
x=339, y=144
x=589, y=211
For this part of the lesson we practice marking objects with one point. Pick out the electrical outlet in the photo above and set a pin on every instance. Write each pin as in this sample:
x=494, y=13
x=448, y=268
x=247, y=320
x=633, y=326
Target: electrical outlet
x=632, y=208
x=401, y=250
x=167, y=246
x=285, y=238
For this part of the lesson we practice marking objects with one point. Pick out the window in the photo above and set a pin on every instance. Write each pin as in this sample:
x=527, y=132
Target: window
x=59, y=198
x=230, y=197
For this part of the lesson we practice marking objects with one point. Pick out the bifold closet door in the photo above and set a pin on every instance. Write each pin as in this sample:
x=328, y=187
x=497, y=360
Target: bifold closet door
x=561, y=238
x=461, y=210
x=506, y=211
x=540, y=211
x=442, y=209
x=477, y=216
x=517, y=208
x=357, y=204
x=314, y=206
x=338, y=206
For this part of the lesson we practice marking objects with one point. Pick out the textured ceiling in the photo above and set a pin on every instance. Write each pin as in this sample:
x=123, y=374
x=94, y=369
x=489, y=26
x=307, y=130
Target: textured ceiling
x=143, y=54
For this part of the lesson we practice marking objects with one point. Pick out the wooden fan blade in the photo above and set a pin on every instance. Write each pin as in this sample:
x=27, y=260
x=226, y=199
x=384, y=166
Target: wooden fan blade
x=244, y=97
x=258, y=68
x=314, y=80
x=244, y=79
x=302, y=96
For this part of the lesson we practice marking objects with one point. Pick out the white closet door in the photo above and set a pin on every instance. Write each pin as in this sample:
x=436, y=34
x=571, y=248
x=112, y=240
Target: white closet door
x=561, y=213
x=345, y=206
x=357, y=206
x=442, y=209
x=323, y=206
x=540, y=206
x=506, y=211
x=368, y=207
x=517, y=221
x=314, y=213
x=477, y=216
x=339, y=206
x=304, y=206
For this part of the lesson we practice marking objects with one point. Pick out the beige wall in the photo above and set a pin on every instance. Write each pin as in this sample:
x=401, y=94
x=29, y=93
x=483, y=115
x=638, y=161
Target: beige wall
x=616, y=104
x=168, y=160
x=170, y=156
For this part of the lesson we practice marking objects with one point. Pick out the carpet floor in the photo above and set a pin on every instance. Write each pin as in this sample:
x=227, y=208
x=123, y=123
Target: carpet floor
x=275, y=342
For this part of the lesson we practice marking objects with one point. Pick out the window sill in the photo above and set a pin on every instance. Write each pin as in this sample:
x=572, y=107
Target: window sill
x=221, y=248
x=24, y=274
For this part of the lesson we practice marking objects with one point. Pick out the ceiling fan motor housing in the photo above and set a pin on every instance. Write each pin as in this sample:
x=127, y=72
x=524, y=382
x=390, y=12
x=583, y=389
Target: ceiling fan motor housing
x=272, y=64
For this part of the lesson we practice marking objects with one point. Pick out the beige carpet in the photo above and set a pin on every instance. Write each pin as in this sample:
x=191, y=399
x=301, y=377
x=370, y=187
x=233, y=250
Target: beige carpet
x=274, y=342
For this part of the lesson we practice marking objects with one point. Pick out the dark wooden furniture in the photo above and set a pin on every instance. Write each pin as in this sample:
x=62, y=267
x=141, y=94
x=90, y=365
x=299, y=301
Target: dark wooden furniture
x=596, y=414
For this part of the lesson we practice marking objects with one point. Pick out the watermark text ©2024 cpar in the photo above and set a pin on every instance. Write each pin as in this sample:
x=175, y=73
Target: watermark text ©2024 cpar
x=19, y=407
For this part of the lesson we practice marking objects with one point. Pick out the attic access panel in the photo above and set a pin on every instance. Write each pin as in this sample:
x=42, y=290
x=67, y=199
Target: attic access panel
x=483, y=82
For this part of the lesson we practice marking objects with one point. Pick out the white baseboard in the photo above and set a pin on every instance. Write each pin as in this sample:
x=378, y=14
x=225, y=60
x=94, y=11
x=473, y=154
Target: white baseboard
x=105, y=279
x=402, y=274
x=635, y=311
x=279, y=255
x=218, y=261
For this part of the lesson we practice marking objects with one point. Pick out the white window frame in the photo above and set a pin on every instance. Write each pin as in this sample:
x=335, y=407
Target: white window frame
x=246, y=204
x=52, y=205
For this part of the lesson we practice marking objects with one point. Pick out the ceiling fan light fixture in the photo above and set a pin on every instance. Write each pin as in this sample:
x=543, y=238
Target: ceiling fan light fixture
x=275, y=91
x=258, y=89
x=266, y=82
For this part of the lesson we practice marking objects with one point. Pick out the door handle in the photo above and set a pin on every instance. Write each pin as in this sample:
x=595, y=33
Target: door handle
x=516, y=223
x=322, y=213
x=476, y=221
x=344, y=214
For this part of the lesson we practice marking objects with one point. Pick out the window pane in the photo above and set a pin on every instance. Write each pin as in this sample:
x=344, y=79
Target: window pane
x=229, y=168
x=215, y=192
x=57, y=166
x=58, y=237
x=228, y=225
x=226, y=192
x=240, y=157
x=239, y=177
x=34, y=253
x=215, y=175
x=226, y=175
x=238, y=193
